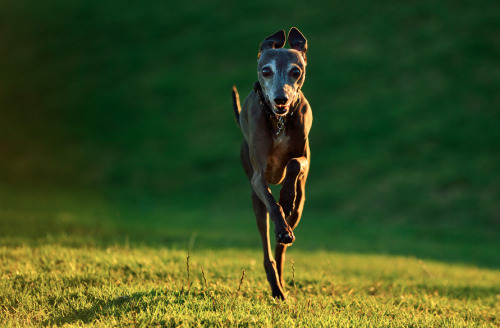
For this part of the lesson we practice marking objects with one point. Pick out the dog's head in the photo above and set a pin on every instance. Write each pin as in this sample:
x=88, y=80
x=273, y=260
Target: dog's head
x=282, y=71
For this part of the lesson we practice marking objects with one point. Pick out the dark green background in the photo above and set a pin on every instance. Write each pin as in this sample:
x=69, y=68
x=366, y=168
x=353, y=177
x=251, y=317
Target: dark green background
x=116, y=123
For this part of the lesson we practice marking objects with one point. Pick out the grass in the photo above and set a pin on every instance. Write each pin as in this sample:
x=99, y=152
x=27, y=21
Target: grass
x=143, y=286
x=119, y=154
x=70, y=259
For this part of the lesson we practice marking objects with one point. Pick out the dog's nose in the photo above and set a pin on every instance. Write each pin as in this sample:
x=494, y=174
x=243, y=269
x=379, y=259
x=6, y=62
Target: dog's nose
x=280, y=100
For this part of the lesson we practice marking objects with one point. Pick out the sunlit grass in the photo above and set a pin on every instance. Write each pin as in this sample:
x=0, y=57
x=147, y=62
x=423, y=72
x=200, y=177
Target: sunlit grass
x=142, y=286
x=69, y=258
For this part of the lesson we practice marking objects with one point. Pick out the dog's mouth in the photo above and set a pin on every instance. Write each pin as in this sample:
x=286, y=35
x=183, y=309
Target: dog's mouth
x=280, y=110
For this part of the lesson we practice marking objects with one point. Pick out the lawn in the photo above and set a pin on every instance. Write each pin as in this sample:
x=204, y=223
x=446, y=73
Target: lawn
x=79, y=261
x=119, y=157
x=148, y=287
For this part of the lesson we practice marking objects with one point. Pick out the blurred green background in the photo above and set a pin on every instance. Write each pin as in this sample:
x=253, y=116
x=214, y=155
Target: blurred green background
x=117, y=125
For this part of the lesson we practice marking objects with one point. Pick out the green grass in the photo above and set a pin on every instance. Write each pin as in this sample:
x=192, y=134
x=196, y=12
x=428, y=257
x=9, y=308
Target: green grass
x=117, y=134
x=142, y=286
x=71, y=258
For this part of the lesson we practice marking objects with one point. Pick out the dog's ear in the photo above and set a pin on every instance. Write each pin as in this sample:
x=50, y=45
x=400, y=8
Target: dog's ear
x=277, y=40
x=297, y=41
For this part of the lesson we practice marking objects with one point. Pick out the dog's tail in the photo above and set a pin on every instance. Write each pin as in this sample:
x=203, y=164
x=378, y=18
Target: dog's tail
x=236, y=104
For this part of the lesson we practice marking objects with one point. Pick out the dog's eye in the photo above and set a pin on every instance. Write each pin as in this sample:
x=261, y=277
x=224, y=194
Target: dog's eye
x=267, y=72
x=295, y=73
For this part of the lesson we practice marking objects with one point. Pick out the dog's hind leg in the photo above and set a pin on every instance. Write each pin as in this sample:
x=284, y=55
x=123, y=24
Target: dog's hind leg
x=269, y=263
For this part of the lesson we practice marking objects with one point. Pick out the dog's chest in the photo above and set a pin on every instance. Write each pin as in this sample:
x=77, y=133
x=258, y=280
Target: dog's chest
x=281, y=140
x=278, y=158
x=280, y=148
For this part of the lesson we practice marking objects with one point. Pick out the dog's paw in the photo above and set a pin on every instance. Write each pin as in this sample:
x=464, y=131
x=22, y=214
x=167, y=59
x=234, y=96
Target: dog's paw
x=285, y=236
x=283, y=232
x=279, y=295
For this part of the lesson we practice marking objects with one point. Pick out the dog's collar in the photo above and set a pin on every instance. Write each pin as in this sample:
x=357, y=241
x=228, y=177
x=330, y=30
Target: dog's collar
x=264, y=105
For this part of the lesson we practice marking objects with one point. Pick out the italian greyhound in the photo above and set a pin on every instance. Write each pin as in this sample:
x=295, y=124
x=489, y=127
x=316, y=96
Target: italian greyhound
x=275, y=120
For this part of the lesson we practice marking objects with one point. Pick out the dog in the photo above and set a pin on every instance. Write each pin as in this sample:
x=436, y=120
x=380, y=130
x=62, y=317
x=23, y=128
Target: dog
x=275, y=120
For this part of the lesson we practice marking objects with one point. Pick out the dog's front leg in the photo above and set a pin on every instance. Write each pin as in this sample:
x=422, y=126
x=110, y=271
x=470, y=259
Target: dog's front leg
x=282, y=230
x=259, y=148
